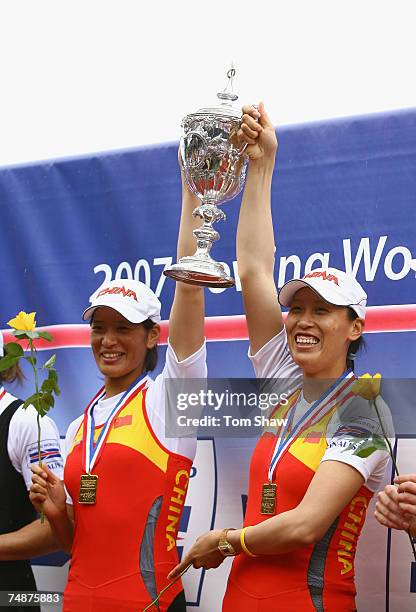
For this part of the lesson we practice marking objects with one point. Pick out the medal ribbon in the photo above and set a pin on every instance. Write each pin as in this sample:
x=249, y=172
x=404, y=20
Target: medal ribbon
x=336, y=394
x=2, y=392
x=287, y=422
x=91, y=451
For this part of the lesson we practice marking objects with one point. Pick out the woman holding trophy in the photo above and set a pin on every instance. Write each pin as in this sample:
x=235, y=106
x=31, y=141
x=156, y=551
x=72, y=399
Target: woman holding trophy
x=308, y=489
x=123, y=474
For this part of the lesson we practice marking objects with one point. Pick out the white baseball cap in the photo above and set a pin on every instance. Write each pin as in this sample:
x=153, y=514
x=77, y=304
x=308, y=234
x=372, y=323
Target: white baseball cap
x=1, y=345
x=333, y=285
x=132, y=299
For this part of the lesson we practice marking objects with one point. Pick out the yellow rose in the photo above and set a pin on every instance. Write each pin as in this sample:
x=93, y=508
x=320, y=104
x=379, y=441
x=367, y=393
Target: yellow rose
x=23, y=321
x=368, y=386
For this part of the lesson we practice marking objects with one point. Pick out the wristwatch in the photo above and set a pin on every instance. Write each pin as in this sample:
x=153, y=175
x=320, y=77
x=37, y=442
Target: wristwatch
x=224, y=546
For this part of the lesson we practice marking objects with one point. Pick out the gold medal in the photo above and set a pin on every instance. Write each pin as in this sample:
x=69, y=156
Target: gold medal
x=88, y=489
x=268, y=498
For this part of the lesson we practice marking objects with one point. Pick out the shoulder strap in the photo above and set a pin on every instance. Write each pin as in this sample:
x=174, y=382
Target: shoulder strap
x=11, y=409
x=6, y=417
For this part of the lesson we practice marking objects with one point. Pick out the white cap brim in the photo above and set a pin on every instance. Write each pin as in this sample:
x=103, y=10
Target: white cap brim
x=287, y=292
x=128, y=313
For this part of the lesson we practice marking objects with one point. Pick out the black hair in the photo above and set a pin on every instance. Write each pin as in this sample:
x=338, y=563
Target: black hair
x=150, y=361
x=356, y=345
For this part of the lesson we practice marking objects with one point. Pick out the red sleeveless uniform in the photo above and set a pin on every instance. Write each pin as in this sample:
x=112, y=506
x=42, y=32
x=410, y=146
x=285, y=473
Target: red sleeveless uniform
x=125, y=544
x=315, y=578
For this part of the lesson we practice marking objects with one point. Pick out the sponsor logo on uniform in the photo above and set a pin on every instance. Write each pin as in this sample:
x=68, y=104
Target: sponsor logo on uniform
x=353, y=431
x=50, y=453
x=342, y=437
x=350, y=531
x=176, y=503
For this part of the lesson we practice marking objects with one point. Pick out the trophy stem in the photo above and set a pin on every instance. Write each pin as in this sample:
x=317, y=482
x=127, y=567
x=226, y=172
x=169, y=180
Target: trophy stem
x=206, y=234
x=200, y=268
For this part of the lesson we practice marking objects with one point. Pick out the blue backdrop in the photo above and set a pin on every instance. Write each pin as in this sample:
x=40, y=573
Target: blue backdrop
x=344, y=193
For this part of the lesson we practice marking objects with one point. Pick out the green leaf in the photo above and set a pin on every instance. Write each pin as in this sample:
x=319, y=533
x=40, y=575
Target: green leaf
x=14, y=349
x=48, y=385
x=45, y=335
x=42, y=402
x=57, y=390
x=19, y=333
x=50, y=363
x=53, y=376
x=368, y=446
x=365, y=451
x=7, y=362
x=46, y=402
x=48, y=399
x=379, y=442
x=39, y=408
x=31, y=334
x=32, y=399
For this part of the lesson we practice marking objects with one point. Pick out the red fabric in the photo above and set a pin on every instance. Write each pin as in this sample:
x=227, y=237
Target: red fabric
x=105, y=573
x=280, y=582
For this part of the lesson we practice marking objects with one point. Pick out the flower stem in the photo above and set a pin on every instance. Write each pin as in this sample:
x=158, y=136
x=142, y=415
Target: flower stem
x=385, y=436
x=396, y=469
x=35, y=371
x=156, y=600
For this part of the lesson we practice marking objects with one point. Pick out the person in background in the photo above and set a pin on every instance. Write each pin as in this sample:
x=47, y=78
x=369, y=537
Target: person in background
x=396, y=505
x=22, y=535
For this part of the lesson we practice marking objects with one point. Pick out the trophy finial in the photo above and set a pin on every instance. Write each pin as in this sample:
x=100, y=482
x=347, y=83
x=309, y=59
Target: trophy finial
x=229, y=95
x=231, y=74
x=214, y=166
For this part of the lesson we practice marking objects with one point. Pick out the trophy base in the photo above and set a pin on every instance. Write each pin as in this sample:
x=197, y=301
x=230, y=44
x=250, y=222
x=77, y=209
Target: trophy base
x=205, y=273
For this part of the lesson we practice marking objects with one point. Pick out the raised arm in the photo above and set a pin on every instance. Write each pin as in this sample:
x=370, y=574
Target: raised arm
x=255, y=236
x=186, y=321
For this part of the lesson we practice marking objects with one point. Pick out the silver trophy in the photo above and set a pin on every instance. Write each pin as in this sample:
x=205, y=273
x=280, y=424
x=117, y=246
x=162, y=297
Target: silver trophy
x=214, y=165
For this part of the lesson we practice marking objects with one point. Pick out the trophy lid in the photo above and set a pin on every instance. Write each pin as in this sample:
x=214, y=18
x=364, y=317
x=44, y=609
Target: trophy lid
x=225, y=108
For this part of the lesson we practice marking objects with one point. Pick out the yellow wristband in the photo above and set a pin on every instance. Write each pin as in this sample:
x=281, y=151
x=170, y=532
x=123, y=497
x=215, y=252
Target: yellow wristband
x=243, y=543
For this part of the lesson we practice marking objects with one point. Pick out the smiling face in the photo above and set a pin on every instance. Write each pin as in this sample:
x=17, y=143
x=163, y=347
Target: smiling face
x=319, y=334
x=119, y=348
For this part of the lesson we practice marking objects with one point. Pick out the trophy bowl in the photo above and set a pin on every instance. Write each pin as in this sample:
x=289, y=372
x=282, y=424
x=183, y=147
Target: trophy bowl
x=214, y=165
